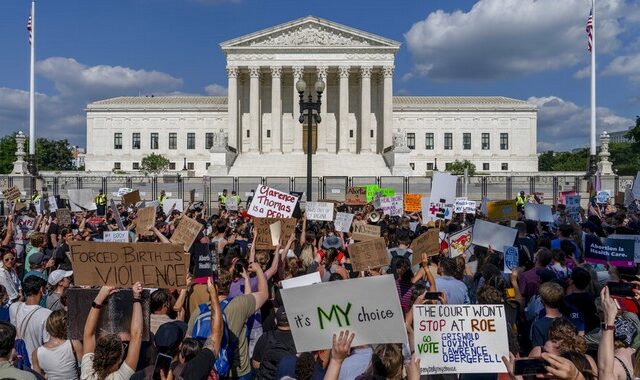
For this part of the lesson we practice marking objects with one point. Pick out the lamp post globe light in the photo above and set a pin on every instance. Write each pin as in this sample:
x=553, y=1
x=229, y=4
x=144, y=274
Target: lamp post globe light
x=309, y=106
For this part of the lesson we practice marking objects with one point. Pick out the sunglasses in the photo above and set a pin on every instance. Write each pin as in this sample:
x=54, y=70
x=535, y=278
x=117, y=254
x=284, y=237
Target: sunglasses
x=7, y=259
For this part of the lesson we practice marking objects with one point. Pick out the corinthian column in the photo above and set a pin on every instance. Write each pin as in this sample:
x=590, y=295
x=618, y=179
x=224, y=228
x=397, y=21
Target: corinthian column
x=365, y=110
x=387, y=107
x=254, y=108
x=322, y=127
x=232, y=106
x=276, y=109
x=343, y=142
x=298, y=71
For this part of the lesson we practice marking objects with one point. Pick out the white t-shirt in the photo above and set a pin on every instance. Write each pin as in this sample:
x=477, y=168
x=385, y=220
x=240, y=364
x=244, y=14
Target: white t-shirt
x=87, y=372
x=34, y=331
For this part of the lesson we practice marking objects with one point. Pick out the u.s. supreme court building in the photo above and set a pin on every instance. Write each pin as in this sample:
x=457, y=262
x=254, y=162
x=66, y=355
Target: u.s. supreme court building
x=365, y=129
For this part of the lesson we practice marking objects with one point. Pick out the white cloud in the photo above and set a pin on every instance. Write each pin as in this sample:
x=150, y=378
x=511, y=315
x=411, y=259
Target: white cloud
x=503, y=38
x=626, y=65
x=563, y=125
x=584, y=72
x=215, y=90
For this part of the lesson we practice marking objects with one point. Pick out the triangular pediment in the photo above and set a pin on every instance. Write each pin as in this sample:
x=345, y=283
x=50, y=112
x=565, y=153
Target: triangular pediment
x=310, y=32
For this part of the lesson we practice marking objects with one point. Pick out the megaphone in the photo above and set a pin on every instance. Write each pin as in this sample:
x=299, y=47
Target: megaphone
x=374, y=217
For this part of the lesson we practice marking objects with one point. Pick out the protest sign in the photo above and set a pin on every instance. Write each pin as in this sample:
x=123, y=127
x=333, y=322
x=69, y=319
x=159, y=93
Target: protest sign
x=636, y=186
x=275, y=229
x=460, y=242
x=483, y=205
x=428, y=242
x=501, y=211
x=573, y=207
x=38, y=205
x=364, y=232
x=540, y=213
x=116, y=215
x=368, y=254
x=122, y=191
x=145, y=220
x=343, y=221
x=307, y=279
x=487, y=234
x=12, y=193
x=319, y=211
x=628, y=196
x=636, y=246
x=232, y=203
x=510, y=258
x=412, y=202
x=371, y=191
x=263, y=231
x=391, y=205
x=438, y=210
x=318, y=311
x=464, y=206
x=562, y=199
x=186, y=232
x=25, y=223
x=52, y=203
x=443, y=187
x=387, y=192
x=80, y=199
x=170, y=202
x=131, y=198
x=356, y=196
x=614, y=251
x=460, y=338
x=603, y=196
x=115, y=236
x=64, y=217
x=155, y=265
x=272, y=203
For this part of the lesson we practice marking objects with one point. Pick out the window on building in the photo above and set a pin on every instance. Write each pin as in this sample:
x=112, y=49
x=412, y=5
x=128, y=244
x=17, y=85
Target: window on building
x=136, y=166
x=466, y=141
x=413, y=165
x=447, y=166
x=485, y=166
x=268, y=133
x=191, y=140
x=248, y=133
x=135, y=140
x=207, y=165
x=172, y=166
x=429, y=165
x=189, y=165
x=173, y=140
x=429, y=141
x=351, y=133
x=411, y=140
x=117, y=140
x=486, y=145
x=154, y=140
x=208, y=140
x=117, y=166
x=448, y=141
x=504, y=141
x=371, y=133
x=505, y=166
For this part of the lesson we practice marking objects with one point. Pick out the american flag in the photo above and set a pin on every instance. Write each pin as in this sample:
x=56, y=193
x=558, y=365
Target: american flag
x=590, y=30
x=29, y=28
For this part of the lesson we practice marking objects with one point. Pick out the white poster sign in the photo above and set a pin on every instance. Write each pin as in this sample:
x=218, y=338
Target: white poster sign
x=37, y=204
x=296, y=282
x=464, y=206
x=80, y=199
x=316, y=312
x=540, y=213
x=115, y=236
x=460, y=338
x=443, y=187
x=393, y=206
x=169, y=202
x=232, y=204
x=272, y=203
x=343, y=221
x=487, y=234
x=53, y=204
x=603, y=196
x=319, y=211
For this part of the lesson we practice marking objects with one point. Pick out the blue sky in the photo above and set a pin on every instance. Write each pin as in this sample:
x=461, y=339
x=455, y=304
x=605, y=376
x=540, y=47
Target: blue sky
x=526, y=49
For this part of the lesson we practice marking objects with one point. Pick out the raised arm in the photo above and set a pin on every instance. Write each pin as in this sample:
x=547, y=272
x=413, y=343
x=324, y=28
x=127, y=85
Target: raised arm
x=303, y=234
x=252, y=251
x=159, y=235
x=136, y=328
x=178, y=307
x=215, y=339
x=262, y=294
x=339, y=352
x=606, y=348
x=9, y=235
x=89, y=335
x=273, y=269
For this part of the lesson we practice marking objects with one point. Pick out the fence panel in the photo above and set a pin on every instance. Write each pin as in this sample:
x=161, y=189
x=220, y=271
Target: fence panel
x=396, y=183
x=279, y=183
x=419, y=185
x=300, y=184
x=335, y=188
x=362, y=181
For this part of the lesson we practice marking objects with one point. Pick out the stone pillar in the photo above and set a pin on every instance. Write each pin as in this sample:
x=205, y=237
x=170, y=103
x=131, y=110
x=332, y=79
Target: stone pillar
x=387, y=107
x=343, y=141
x=322, y=127
x=232, y=107
x=365, y=110
x=254, y=108
x=604, y=166
x=276, y=109
x=20, y=165
x=298, y=72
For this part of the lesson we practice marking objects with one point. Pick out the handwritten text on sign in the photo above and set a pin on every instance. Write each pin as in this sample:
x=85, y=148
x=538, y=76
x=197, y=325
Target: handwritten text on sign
x=123, y=264
x=369, y=254
x=460, y=338
x=319, y=211
x=271, y=203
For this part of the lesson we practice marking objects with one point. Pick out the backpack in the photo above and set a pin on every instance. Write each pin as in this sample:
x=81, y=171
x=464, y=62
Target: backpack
x=396, y=258
x=276, y=349
x=202, y=330
x=22, y=353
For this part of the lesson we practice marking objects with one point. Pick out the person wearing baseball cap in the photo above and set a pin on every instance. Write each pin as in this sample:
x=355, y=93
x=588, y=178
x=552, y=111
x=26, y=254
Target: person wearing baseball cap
x=59, y=281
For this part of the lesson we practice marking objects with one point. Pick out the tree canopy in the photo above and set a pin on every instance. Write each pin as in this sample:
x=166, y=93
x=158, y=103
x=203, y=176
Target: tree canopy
x=54, y=155
x=457, y=167
x=154, y=164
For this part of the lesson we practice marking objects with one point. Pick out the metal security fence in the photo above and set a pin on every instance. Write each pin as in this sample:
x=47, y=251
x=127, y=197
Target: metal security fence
x=208, y=188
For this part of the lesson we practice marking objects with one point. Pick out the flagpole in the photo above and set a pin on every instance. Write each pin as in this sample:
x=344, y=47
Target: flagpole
x=593, y=83
x=32, y=94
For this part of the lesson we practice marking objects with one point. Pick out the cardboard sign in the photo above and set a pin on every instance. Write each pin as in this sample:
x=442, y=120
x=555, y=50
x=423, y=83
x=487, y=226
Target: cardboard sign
x=272, y=203
x=428, y=242
x=131, y=198
x=115, y=236
x=614, y=251
x=168, y=203
x=364, y=232
x=155, y=265
x=444, y=187
x=392, y=205
x=81, y=199
x=368, y=254
x=541, y=213
x=343, y=221
x=356, y=196
x=413, y=202
x=64, y=217
x=305, y=280
x=460, y=338
x=460, y=242
x=501, y=211
x=603, y=196
x=12, y=193
x=145, y=220
x=276, y=231
x=231, y=204
x=186, y=233
x=116, y=216
x=573, y=207
x=487, y=234
x=319, y=211
x=263, y=231
x=511, y=258
x=316, y=312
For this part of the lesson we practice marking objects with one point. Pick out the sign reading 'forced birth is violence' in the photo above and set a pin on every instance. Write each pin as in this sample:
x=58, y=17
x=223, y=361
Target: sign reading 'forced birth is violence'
x=155, y=265
x=271, y=203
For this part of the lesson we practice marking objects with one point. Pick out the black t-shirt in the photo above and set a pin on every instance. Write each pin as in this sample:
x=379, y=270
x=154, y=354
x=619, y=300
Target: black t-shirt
x=53, y=229
x=585, y=303
x=270, y=348
x=199, y=367
x=61, y=259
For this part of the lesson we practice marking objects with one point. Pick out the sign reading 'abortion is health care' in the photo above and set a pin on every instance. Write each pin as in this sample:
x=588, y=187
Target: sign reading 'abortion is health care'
x=460, y=338
x=271, y=203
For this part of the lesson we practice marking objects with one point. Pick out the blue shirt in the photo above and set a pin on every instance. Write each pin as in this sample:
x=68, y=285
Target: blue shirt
x=456, y=290
x=356, y=363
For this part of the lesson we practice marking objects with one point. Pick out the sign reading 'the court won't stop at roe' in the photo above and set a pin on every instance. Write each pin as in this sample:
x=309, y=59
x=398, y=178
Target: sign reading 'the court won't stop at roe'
x=271, y=203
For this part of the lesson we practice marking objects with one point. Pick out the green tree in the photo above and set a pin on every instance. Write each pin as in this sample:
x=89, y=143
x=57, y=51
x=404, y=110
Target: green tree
x=634, y=133
x=50, y=154
x=457, y=167
x=574, y=161
x=154, y=164
x=7, y=153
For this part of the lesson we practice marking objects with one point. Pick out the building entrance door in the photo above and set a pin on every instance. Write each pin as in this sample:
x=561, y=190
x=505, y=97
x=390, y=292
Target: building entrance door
x=314, y=135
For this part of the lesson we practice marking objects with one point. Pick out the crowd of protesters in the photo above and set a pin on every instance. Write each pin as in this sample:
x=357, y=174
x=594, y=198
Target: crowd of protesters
x=234, y=325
